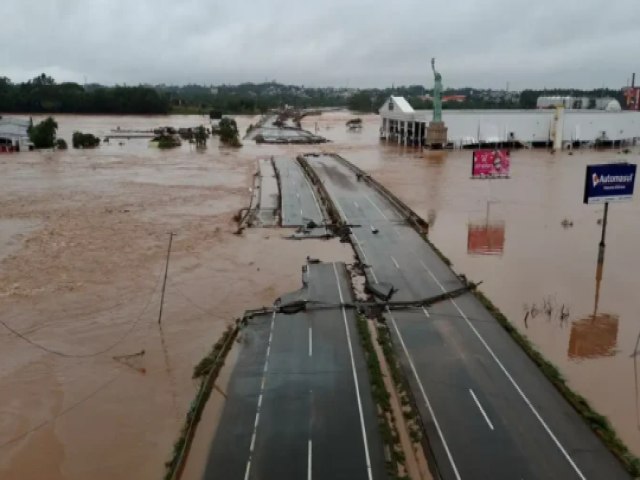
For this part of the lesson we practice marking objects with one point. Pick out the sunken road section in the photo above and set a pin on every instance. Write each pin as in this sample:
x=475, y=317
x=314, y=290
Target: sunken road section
x=299, y=403
x=488, y=411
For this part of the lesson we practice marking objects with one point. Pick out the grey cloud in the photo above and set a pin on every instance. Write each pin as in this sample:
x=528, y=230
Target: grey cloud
x=333, y=42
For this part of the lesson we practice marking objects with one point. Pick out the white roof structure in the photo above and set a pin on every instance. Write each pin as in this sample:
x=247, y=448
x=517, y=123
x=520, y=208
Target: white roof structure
x=396, y=104
x=14, y=129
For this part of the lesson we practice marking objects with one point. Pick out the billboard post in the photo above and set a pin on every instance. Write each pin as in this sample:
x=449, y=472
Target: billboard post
x=609, y=182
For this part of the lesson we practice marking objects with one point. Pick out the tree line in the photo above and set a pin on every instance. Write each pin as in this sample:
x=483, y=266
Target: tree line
x=43, y=95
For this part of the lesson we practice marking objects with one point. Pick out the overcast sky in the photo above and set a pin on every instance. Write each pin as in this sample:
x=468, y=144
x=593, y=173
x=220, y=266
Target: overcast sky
x=356, y=43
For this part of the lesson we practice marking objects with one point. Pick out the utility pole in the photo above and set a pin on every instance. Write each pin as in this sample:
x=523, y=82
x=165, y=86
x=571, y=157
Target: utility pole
x=166, y=271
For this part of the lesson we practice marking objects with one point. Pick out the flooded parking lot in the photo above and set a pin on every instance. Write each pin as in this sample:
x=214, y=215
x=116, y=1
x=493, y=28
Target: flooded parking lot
x=534, y=244
x=82, y=248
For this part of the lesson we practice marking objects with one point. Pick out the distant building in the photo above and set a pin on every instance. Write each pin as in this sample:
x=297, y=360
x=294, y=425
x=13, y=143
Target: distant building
x=536, y=128
x=579, y=103
x=454, y=98
x=14, y=135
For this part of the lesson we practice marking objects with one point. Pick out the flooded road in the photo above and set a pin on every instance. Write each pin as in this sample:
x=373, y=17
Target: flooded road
x=93, y=388
x=542, y=274
x=83, y=239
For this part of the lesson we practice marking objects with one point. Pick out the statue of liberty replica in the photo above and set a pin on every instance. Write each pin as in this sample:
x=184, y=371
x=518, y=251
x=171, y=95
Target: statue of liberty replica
x=436, y=131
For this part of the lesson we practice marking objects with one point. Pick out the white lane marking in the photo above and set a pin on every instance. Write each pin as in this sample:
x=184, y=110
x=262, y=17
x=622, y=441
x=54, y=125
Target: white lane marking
x=310, y=342
x=424, y=396
x=356, y=204
x=395, y=263
x=315, y=200
x=344, y=215
x=484, y=414
x=513, y=382
x=426, y=312
x=364, y=255
x=376, y=207
x=309, y=462
x=355, y=377
x=257, y=420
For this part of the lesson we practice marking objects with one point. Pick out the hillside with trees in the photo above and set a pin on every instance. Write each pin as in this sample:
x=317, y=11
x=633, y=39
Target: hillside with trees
x=43, y=95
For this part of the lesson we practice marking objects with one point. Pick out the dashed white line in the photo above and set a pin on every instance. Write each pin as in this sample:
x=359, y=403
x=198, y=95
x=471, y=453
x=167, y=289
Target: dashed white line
x=510, y=378
x=355, y=377
x=356, y=204
x=309, y=461
x=310, y=342
x=425, y=398
x=395, y=263
x=257, y=419
x=484, y=414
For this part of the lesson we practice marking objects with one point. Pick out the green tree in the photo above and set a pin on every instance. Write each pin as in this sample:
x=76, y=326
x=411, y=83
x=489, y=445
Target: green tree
x=84, y=140
x=229, y=132
x=43, y=135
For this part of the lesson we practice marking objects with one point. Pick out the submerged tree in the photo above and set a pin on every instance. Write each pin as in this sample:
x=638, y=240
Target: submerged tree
x=84, y=140
x=201, y=137
x=229, y=132
x=43, y=135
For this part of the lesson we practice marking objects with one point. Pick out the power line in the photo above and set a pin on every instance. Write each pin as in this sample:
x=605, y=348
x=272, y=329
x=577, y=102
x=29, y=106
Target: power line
x=85, y=355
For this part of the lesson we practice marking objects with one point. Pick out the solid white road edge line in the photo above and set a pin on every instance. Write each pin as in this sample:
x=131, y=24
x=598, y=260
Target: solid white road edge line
x=355, y=377
x=513, y=382
x=424, y=396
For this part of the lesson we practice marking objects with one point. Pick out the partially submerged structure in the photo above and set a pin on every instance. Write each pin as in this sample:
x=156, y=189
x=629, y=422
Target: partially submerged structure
x=556, y=128
x=14, y=135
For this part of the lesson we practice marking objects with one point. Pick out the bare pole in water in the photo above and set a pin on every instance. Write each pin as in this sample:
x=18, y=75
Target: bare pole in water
x=604, y=233
x=166, y=271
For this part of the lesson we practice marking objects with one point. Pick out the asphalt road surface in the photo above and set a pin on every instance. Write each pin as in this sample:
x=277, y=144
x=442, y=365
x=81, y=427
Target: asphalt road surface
x=299, y=404
x=488, y=411
x=298, y=199
x=267, y=207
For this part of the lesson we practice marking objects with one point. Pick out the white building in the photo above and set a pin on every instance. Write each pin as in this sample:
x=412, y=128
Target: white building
x=579, y=103
x=14, y=134
x=556, y=127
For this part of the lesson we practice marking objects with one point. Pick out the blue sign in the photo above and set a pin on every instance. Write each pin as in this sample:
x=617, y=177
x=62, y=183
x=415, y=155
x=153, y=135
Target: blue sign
x=611, y=182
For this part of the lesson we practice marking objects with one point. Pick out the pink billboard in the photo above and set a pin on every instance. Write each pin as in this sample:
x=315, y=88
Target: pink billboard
x=490, y=164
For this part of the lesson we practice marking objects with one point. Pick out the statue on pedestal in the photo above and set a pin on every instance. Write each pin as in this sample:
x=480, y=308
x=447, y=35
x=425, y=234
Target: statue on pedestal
x=436, y=130
x=437, y=93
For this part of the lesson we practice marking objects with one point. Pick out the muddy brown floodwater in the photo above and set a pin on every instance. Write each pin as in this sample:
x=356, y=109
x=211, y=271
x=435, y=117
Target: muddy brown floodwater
x=83, y=238
x=542, y=274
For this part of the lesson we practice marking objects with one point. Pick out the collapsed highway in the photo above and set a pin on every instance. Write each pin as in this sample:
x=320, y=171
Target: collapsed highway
x=299, y=402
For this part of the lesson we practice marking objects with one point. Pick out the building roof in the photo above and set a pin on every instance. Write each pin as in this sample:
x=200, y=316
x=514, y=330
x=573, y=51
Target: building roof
x=402, y=104
x=13, y=128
